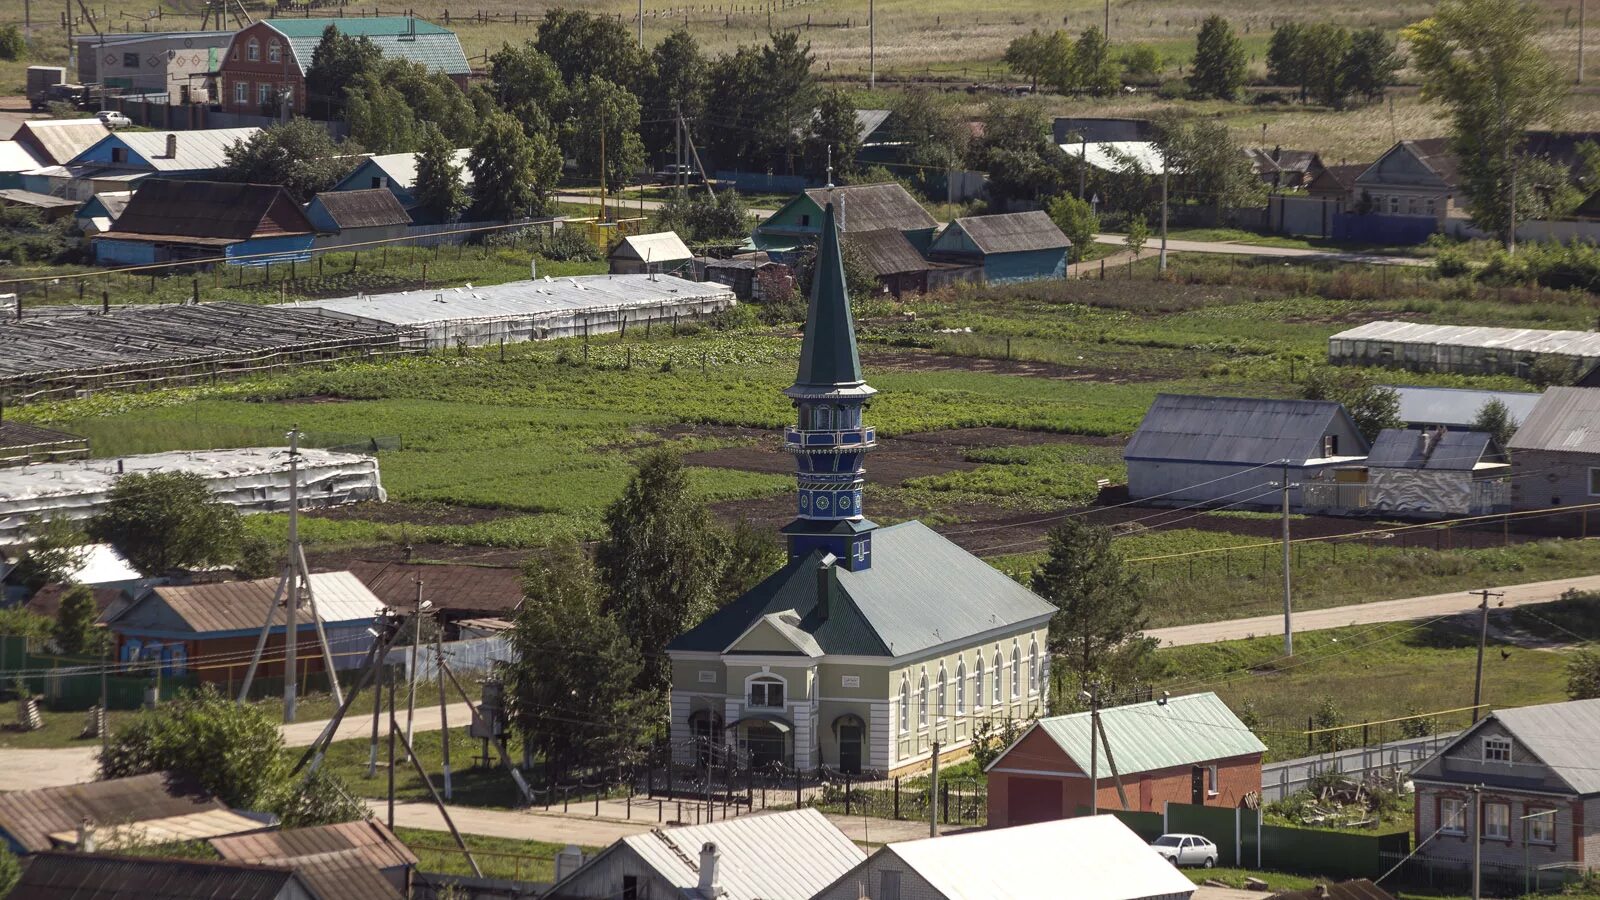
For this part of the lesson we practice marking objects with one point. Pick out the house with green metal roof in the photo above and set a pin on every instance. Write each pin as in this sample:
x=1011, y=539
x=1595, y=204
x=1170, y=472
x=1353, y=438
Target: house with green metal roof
x=1189, y=749
x=263, y=68
x=872, y=646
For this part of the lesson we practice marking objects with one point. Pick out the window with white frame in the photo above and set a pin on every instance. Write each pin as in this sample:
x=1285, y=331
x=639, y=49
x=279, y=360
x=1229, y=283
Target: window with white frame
x=905, y=705
x=766, y=693
x=252, y=50
x=1016, y=672
x=939, y=697
x=999, y=666
x=1541, y=826
x=961, y=688
x=922, y=701
x=264, y=94
x=1594, y=482
x=274, y=52
x=1497, y=821
x=1496, y=749
x=1211, y=781
x=241, y=92
x=1033, y=667
x=1452, y=816
x=977, y=683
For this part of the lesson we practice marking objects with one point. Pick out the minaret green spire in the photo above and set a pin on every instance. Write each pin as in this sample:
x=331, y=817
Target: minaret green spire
x=829, y=440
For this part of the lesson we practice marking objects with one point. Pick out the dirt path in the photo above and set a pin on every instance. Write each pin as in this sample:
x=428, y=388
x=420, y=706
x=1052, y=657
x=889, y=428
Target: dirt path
x=1232, y=248
x=1402, y=610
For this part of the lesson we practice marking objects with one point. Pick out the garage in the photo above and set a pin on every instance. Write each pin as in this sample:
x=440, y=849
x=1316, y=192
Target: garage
x=1033, y=800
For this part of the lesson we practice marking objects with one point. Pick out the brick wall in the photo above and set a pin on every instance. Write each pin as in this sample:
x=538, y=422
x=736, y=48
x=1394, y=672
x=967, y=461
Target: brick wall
x=237, y=68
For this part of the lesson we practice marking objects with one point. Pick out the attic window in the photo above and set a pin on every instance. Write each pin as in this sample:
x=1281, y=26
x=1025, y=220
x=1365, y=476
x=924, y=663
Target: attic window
x=253, y=50
x=1330, y=445
x=1496, y=749
x=805, y=220
x=274, y=52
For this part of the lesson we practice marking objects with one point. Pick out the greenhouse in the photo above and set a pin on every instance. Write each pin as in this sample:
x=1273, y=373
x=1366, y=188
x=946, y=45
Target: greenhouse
x=1460, y=348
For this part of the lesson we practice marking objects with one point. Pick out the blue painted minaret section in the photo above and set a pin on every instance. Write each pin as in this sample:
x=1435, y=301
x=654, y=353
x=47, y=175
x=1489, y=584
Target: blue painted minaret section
x=829, y=440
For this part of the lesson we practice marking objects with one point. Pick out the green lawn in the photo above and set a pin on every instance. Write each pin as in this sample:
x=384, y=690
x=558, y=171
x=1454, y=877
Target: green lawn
x=502, y=858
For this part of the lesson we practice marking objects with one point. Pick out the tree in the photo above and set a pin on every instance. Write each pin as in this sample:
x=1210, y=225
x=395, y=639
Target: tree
x=1040, y=56
x=1285, y=57
x=675, y=86
x=859, y=279
x=749, y=555
x=931, y=127
x=603, y=108
x=379, y=116
x=75, y=631
x=10, y=868
x=1323, y=49
x=1098, y=632
x=1583, y=675
x=1023, y=162
x=1138, y=235
x=1482, y=60
x=1142, y=62
x=1371, y=63
x=441, y=196
x=1372, y=407
x=13, y=46
x=298, y=154
x=54, y=551
x=1494, y=418
x=1097, y=72
x=1077, y=220
x=834, y=137
x=232, y=750
x=586, y=45
x=657, y=560
x=511, y=172
x=1218, y=69
x=702, y=218
x=386, y=107
x=1212, y=166
x=767, y=96
x=336, y=63
x=573, y=688
x=521, y=74
x=163, y=521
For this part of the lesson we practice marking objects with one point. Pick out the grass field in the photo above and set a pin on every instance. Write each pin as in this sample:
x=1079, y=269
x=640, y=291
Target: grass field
x=502, y=858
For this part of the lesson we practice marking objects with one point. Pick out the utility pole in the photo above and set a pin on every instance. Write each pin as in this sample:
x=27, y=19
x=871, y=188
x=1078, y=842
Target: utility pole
x=1094, y=749
x=1582, y=5
x=1483, y=639
x=1163, y=265
x=872, y=46
x=291, y=597
x=641, y=24
x=602, y=167
x=390, y=679
x=444, y=708
x=1477, y=841
x=677, y=145
x=411, y=674
x=1288, y=595
x=933, y=795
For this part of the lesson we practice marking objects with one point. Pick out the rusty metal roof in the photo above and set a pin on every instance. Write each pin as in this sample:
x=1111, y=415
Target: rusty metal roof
x=452, y=587
x=869, y=207
x=194, y=826
x=886, y=251
x=84, y=876
x=237, y=606
x=1013, y=232
x=30, y=817
x=372, y=208
x=376, y=844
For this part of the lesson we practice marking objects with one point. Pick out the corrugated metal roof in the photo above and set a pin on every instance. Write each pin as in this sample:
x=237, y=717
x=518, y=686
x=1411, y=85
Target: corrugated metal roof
x=234, y=606
x=869, y=207
x=401, y=168
x=1249, y=430
x=30, y=817
x=1146, y=737
x=197, y=150
x=662, y=246
x=1014, y=232
x=15, y=157
x=1117, y=156
x=518, y=299
x=418, y=40
x=342, y=874
x=770, y=856
x=1457, y=407
x=35, y=199
x=1566, y=420
x=886, y=251
x=371, y=208
x=376, y=843
x=1563, y=735
x=1583, y=344
x=922, y=591
x=80, y=876
x=1086, y=858
x=62, y=139
x=195, y=826
x=213, y=210
x=452, y=587
x=1450, y=451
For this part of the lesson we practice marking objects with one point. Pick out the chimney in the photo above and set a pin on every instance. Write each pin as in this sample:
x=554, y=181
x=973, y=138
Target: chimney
x=709, y=885
x=172, y=145
x=1322, y=890
x=825, y=578
x=85, y=836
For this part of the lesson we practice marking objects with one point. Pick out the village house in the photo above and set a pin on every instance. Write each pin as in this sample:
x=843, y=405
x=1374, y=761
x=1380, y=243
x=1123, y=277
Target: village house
x=171, y=221
x=54, y=141
x=1555, y=454
x=1021, y=246
x=398, y=173
x=643, y=254
x=1430, y=472
x=154, y=808
x=896, y=265
x=264, y=67
x=1337, y=184
x=859, y=208
x=1412, y=178
x=345, y=218
x=1540, y=791
x=120, y=161
x=872, y=644
x=1189, y=749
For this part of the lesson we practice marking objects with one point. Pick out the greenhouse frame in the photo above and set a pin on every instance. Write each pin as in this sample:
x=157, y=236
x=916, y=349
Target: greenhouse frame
x=1460, y=348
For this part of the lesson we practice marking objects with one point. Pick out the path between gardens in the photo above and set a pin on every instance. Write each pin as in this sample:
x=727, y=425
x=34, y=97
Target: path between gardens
x=1401, y=610
x=1232, y=248
x=24, y=769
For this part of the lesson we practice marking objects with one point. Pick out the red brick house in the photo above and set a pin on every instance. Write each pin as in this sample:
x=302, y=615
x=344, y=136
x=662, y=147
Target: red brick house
x=1189, y=749
x=265, y=64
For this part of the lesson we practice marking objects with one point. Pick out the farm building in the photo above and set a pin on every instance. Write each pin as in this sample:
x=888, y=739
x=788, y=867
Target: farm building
x=251, y=479
x=360, y=860
x=744, y=274
x=459, y=593
x=1456, y=408
x=174, y=63
x=1465, y=349
x=1555, y=454
x=897, y=266
x=1189, y=749
x=662, y=253
x=1428, y=472
x=172, y=624
x=49, y=207
x=172, y=221
x=166, y=346
x=343, y=218
x=1023, y=246
x=1231, y=451
x=531, y=310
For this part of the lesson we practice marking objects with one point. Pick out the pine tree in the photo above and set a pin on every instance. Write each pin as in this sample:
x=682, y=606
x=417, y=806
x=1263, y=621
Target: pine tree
x=1495, y=418
x=74, y=630
x=1098, y=633
x=512, y=172
x=1219, y=61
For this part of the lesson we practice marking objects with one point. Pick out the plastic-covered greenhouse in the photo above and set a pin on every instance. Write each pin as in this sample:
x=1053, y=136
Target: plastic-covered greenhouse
x=1459, y=348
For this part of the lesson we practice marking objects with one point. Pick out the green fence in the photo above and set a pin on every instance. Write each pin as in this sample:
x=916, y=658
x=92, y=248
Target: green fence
x=1306, y=850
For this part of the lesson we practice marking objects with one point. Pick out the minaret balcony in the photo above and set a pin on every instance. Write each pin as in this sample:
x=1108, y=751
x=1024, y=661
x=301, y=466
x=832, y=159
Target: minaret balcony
x=797, y=440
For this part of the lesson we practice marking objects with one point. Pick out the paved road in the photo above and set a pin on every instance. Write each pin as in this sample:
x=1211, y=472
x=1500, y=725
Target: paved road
x=1232, y=248
x=23, y=769
x=630, y=202
x=1370, y=613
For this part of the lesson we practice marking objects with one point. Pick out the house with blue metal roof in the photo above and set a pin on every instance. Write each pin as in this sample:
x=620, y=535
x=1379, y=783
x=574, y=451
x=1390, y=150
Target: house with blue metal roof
x=872, y=646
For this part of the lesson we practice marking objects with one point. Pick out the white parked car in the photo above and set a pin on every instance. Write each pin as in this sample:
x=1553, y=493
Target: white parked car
x=1186, y=850
x=110, y=118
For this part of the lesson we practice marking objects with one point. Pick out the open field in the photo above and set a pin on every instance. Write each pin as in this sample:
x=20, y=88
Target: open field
x=503, y=858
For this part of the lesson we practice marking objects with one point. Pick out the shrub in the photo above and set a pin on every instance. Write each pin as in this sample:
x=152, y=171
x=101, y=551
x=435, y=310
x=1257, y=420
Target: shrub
x=1452, y=262
x=1173, y=89
x=565, y=245
x=12, y=44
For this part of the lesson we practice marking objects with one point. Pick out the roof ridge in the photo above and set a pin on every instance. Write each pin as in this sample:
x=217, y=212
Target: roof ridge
x=673, y=846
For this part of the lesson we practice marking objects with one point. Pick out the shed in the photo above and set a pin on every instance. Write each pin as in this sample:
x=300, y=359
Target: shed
x=101, y=211
x=360, y=860
x=896, y=265
x=1555, y=454
x=1091, y=858
x=50, y=208
x=1456, y=408
x=343, y=218
x=29, y=818
x=1188, y=749
x=458, y=592
x=1023, y=246
x=662, y=252
x=771, y=856
x=1466, y=349
x=248, y=224
x=1338, y=184
x=1229, y=451
x=76, y=876
x=171, y=624
x=747, y=275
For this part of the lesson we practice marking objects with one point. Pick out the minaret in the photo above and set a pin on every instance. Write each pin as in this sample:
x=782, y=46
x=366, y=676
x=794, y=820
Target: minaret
x=829, y=440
